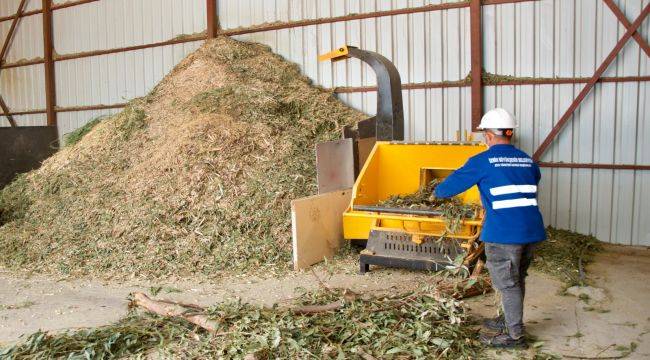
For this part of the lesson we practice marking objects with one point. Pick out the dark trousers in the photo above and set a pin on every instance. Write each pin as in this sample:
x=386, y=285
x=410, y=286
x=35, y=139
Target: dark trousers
x=508, y=266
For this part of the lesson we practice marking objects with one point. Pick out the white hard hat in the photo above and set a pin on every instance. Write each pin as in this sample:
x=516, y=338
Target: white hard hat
x=497, y=119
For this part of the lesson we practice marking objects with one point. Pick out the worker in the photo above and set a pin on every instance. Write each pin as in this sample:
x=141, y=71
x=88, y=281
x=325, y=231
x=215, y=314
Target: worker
x=507, y=180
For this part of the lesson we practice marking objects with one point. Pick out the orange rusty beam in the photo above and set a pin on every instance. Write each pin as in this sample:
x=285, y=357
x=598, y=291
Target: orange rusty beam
x=592, y=81
x=6, y=112
x=476, y=41
x=48, y=52
x=23, y=14
x=504, y=82
x=330, y=20
x=621, y=17
x=71, y=4
x=407, y=86
x=22, y=63
x=212, y=27
x=89, y=107
x=129, y=48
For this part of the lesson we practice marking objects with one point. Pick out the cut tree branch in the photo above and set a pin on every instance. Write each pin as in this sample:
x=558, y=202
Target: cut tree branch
x=170, y=309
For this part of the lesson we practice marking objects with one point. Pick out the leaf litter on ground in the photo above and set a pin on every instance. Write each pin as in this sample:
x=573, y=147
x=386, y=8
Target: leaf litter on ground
x=416, y=325
x=565, y=254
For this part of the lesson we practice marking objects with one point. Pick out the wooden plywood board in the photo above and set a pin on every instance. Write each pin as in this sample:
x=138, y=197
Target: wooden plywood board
x=317, y=227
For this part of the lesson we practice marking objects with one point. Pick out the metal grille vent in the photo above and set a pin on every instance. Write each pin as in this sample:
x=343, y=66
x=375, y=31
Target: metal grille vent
x=400, y=245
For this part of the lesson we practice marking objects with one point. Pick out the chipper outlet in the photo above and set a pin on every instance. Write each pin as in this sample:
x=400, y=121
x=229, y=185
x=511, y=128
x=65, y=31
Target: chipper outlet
x=411, y=238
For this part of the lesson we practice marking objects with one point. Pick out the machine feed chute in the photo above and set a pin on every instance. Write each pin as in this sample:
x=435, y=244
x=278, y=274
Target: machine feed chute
x=406, y=237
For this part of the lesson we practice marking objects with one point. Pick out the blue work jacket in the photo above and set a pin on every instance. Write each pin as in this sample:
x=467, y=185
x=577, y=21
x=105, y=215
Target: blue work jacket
x=507, y=179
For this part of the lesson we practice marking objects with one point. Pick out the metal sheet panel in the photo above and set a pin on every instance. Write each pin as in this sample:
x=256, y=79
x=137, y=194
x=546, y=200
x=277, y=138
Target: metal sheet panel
x=9, y=7
x=116, y=78
x=26, y=120
x=335, y=165
x=570, y=39
x=107, y=79
x=28, y=38
x=23, y=88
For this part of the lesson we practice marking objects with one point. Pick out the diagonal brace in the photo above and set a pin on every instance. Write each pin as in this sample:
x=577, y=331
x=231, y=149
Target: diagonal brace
x=590, y=84
x=5, y=109
x=12, y=29
x=3, y=54
x=621, y=17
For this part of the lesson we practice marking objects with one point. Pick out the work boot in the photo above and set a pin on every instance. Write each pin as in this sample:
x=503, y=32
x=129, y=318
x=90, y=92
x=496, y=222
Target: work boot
x=497, y=324
x=503, y=341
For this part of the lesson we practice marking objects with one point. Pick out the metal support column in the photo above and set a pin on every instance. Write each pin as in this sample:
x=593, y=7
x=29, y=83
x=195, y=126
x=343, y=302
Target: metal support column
x=48, y=50
x=477, y=61
x=212, y=24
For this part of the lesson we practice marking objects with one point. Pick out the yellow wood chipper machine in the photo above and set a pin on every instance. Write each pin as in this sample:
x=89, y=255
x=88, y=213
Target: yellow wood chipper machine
x=404, y=237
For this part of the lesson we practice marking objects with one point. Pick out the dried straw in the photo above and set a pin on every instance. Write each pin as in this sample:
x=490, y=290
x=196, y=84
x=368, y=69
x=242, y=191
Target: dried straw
x=194, y=179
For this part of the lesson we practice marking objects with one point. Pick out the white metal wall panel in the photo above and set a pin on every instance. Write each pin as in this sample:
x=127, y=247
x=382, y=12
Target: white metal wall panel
x=545, y=38
x=116, y=78
x=26, y=120
x=571, y=39
x=9, y=7
x=27, y=42
x=106, y=79
x=23, y=88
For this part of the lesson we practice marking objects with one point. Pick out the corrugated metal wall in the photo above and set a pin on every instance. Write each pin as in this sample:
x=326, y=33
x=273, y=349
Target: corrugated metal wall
x=116, y=78
x=546, y=38
x=571, y=39
x=23, y=87
x=107, y=79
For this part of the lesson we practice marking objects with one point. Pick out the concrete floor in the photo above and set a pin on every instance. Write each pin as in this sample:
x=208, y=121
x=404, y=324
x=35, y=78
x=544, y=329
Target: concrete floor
x=562, y=325
x=574, y=328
